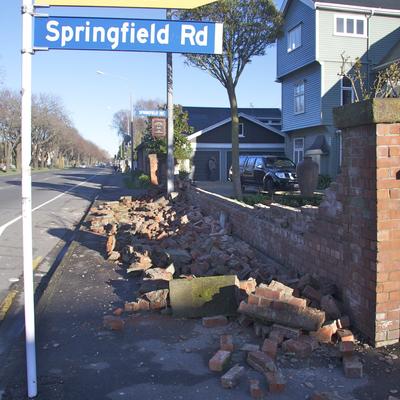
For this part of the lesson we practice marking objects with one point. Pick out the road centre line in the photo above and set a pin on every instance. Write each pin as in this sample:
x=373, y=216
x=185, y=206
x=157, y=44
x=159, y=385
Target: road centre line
x=13, y=221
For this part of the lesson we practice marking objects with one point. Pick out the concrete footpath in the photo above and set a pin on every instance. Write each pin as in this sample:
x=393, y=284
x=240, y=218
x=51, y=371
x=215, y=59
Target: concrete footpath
x=155, y=356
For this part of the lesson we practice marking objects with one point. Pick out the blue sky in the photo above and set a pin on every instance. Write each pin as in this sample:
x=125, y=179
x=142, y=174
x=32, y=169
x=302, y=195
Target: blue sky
x=92, y=99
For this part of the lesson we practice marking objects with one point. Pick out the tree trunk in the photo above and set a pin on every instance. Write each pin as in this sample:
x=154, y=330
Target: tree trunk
x=18, y=156
x=237, y=187
x=8, y=155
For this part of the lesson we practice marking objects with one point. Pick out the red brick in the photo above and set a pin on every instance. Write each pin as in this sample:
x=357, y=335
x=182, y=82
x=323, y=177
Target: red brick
x=261, y=362
x=118, y=311
x=268, y=293
x=324, y=334
x=213, y=322
x=253, y=299
x=353, y=367
x=345, y=335
x=255, y=390
x=226, y=342
x=248, y=286
x=244, y=321
x=287, y=333
x=112, y=322
x=143, y=305
x=219, y=361
x=346, y=348
x=300, y=348
x=232, y=377
x=276, y=382
x=276, y=336
x=270, y=347
x=296, y=301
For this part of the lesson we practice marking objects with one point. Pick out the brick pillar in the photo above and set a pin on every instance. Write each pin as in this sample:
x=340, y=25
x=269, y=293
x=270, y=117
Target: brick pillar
x=369, y=188
x=153, y=163
x=388, y=233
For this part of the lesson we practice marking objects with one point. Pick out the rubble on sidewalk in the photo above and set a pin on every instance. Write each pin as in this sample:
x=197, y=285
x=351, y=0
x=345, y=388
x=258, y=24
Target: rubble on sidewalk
x=189, y=263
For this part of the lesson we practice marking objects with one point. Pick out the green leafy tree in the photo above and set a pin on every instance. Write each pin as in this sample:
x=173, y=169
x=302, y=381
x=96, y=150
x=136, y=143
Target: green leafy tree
x=250, y=26
x=182, y=147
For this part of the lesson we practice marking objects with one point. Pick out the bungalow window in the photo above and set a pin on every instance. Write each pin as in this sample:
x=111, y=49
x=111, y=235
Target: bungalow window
x=294, y=38
x=347, y=91
x=299, y=98
x=350, y=25
x=298, y=150
x=241, y=130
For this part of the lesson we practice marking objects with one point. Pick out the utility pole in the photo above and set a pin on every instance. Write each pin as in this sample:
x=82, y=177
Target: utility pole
x=170, y=130
x=26, y=186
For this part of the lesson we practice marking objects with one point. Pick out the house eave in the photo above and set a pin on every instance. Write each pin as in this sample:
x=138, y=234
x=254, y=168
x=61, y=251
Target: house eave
x=360, y=9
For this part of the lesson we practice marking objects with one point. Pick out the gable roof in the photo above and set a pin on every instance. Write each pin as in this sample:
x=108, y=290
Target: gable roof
x=393, y=5
x=227, y=120
x=392, y=56
x=203, y=117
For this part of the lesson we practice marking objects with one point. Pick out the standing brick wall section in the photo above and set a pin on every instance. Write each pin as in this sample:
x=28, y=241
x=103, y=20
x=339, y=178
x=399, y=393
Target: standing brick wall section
x=352, y=239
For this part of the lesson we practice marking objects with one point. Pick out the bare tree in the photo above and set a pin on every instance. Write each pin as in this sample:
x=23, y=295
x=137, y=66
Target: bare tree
x=250, y=26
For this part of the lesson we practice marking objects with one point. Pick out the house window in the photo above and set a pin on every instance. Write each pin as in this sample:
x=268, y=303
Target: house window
x=350, y=25
x=241, y=130
x=347, y=91
x=298, y=150
x=299, y=98
x=294, y=38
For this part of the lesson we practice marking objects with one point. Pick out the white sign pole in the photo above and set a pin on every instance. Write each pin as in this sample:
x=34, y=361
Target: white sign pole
x=26, y=134
x=170, y=130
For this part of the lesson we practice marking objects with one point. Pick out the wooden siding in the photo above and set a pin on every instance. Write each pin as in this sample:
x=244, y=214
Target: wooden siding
x=298, y=13
x=312, y=98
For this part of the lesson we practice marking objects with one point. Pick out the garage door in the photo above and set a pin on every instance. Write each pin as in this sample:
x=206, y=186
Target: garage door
x=200, y=165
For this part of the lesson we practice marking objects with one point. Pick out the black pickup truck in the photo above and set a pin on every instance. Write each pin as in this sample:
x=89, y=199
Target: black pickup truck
x=268, y=172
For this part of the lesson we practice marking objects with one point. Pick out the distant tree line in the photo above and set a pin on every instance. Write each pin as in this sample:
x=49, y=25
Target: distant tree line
x=55, y=141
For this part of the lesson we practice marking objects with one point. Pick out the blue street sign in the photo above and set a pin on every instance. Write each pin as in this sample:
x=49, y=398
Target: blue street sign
x=76, y=33
x=152, y=113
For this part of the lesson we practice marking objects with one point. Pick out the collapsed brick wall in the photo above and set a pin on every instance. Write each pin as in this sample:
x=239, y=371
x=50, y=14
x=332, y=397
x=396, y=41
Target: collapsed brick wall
x=339, y=240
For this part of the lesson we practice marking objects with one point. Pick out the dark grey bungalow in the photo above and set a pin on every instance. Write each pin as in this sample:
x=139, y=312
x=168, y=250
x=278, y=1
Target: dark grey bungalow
x=259, y=134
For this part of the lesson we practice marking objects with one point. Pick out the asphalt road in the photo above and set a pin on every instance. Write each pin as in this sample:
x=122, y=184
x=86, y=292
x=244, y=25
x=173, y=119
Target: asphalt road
x=59, y=200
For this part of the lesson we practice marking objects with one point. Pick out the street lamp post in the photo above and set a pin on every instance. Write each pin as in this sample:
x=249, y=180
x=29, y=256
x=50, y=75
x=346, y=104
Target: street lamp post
x=130, y=115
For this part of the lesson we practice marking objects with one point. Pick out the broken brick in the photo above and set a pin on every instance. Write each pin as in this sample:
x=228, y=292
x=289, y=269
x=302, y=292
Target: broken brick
x=226, y=342
x=270, y=347
x=276, y=382
x=214, y=322
x=231, y=378
x=253, y=299
x=244, y=321
x=287, y=333
x=118, y=311
x=250, y=347
x=325, y=333
x=255, y=390
x=300, y=348
x=286, y=290
x=261, y=362
x=112, y=322
x=312, y=294
x=248, y=286
x=352, y=367
x=219, y=361
x=110, y=244
x=346, y=348
x=268, y=293
x=276, y=336
x=345, y=335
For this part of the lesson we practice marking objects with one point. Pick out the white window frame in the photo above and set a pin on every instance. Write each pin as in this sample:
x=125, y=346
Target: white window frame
x=292, y=44
x=298, y=150
x=355, y=18
x=241, y=130
x=347, y=89
x=299, y=95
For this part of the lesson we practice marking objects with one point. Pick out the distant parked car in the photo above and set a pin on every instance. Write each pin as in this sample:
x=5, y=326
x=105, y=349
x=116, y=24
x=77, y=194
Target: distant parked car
x=269, y=173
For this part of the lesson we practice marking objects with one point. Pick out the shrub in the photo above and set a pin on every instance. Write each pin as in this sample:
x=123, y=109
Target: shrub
x=324, y=181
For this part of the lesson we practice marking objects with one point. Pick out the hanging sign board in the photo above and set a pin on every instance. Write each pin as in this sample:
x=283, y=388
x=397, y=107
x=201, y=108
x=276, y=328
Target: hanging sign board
x=151, y=113
x=158, y=127
x=174, y=4
x=76, y=33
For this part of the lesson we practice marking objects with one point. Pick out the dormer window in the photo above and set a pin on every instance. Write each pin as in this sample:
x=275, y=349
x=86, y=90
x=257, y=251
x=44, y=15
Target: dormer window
x=350, y=25
x=294, y=38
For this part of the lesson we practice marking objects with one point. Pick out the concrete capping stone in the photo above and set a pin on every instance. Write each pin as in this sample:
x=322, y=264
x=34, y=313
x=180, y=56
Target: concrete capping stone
x=368, y=112
x=223, y=198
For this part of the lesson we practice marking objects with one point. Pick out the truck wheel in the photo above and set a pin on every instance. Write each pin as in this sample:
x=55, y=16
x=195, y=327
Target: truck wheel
x=269, y=186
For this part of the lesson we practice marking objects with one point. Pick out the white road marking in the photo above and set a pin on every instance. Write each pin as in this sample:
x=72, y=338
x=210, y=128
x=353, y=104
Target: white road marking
x=13, y=221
